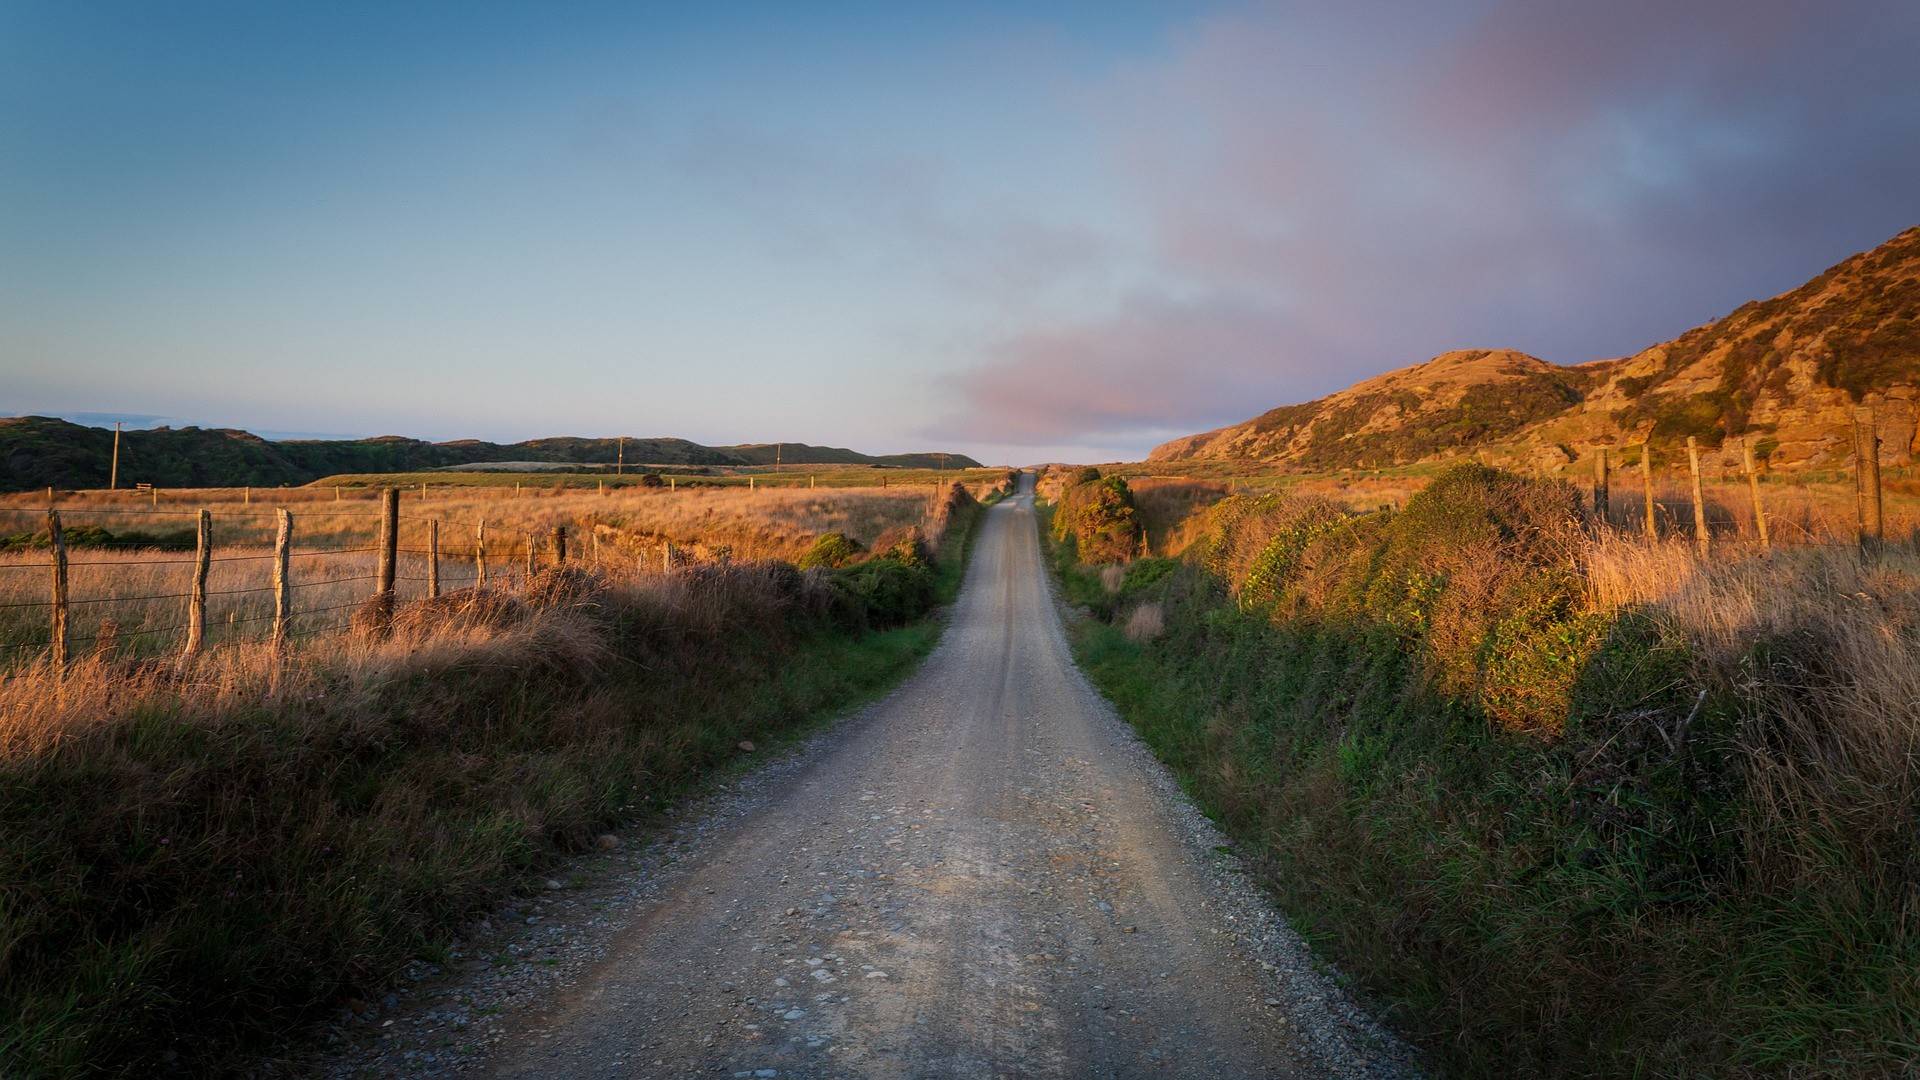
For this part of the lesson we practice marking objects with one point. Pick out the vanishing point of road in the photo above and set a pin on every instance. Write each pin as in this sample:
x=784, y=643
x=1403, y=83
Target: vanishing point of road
x=983, y=874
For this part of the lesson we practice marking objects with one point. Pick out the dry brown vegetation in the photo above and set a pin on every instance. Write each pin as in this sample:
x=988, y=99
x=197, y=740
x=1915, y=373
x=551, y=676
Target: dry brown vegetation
x=1578, y=802
x=196, y=853
x=1802, y=508
x=1820, y=647
x=627, y=528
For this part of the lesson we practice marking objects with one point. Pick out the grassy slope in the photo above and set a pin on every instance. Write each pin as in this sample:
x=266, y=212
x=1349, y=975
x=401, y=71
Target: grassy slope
x=1575, y=906
x=182, y=881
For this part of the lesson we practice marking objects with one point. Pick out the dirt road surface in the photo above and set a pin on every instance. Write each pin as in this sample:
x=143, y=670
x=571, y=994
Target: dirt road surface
x=984, y=874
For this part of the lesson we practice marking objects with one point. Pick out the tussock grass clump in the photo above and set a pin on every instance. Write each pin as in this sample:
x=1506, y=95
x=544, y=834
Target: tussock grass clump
x=1576, y=806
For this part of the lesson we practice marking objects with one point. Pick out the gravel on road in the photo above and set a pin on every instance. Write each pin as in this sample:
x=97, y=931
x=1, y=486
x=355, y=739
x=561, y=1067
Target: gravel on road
x=985, y=873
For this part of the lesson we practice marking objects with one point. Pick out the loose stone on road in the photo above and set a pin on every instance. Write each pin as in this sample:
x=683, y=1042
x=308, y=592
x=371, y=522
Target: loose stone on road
x=983, y=874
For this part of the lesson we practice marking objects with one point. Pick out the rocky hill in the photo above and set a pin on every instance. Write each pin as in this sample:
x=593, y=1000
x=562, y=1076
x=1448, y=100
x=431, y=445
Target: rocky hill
x=1786, y=373
x=38, y=451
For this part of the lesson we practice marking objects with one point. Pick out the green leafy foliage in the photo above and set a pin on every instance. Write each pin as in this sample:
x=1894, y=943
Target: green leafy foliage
x=1097, y=513
x=889, y=593
x=831, y=550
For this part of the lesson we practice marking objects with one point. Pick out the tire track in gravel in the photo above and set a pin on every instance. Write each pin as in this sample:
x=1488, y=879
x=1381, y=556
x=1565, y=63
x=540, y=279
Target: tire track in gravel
x=984, y=874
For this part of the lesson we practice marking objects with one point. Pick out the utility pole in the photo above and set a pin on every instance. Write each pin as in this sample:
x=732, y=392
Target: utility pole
x=113, y=476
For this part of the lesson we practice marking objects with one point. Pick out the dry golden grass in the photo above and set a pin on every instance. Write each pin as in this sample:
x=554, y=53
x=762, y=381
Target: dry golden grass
x=768, y=523
x=1823, y=644
x=1170, y=509
x=334, y=559
x=200, y=854
x=1684, y=841
x=1802, y=508
x=200, y=851
x=1146, y=622
x=1820, y=635
x=487, y=628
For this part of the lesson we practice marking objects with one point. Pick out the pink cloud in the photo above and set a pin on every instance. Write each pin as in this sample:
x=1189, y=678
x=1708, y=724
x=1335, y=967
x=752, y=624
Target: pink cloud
x=1331, y=197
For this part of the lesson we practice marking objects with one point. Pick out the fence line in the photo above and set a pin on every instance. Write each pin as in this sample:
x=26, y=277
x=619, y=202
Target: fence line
x=59, y=641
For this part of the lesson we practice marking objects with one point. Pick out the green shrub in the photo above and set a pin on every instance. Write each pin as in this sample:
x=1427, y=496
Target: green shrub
x=891, y=592
x=1097, y=514
x=831, y=550
x=1268, y=578
x=910, y=550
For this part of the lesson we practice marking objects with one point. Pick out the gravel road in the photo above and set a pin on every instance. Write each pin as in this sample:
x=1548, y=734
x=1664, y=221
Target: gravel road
x=983, y=874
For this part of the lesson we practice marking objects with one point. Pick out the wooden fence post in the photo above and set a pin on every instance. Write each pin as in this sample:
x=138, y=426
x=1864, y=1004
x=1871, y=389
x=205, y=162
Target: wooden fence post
x=1753, y=488
x=433, y=558
x=197, y=601
x=1866, y=477
x=559, y=544
x=155, y=492
x=809, y=480
x=673, y=483
x=57, y=636
x=282, y=583
x=1646, y=479
x=749, y=481
x=480, y=554
x=246, y=495
x=423, y=491
x=603, y=487
x=530, y=556
x=1699, y=497
x=1859, y=484
x=388, y=554
x=1600, y=479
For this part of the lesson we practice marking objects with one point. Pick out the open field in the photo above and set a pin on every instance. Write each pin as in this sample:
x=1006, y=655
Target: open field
x=762, y=476
x=128, y=587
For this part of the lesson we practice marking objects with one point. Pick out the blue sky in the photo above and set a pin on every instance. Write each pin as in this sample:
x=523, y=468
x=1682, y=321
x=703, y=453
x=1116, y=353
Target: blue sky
x=1027, y=231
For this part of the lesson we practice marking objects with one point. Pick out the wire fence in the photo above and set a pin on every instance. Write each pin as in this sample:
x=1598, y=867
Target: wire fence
x=260, y=600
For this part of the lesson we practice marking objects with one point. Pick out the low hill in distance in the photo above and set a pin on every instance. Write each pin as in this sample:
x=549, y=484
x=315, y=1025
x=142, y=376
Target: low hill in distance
x=41, y=451
x=1786, y=373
